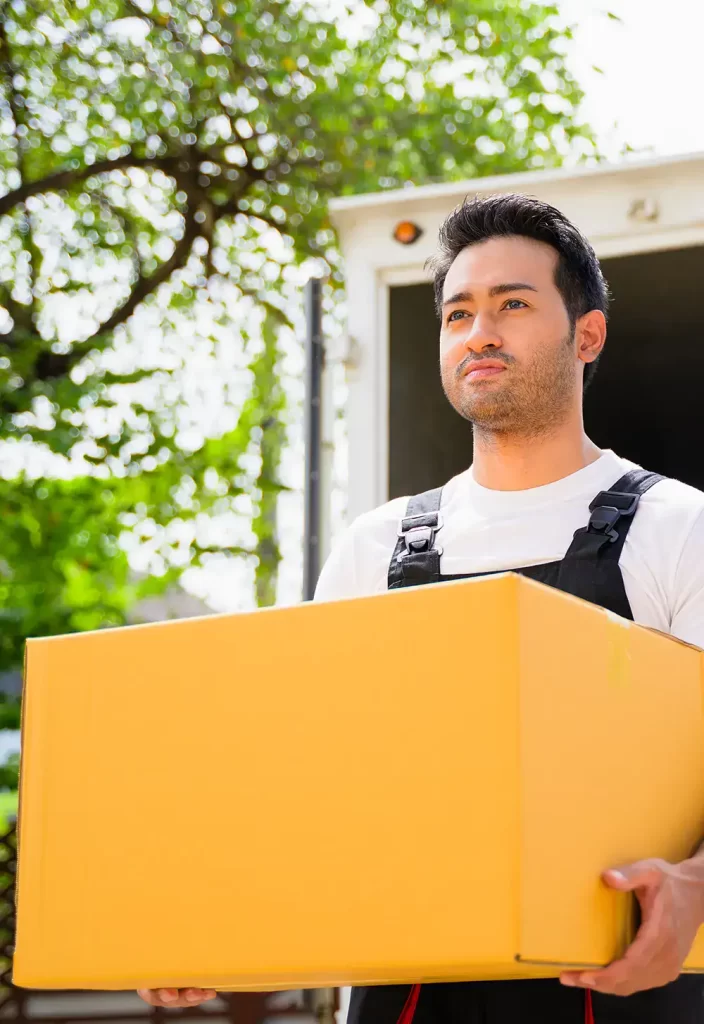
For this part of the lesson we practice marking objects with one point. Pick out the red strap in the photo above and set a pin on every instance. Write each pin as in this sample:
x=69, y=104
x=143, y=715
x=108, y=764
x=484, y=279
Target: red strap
x=409, y=1010
x=588, y=1010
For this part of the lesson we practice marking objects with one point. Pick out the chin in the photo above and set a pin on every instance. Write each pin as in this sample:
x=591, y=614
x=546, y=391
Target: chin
x=485, y=414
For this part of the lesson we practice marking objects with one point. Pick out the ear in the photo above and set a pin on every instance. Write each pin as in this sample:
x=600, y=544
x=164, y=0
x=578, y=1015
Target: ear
x=590, y=334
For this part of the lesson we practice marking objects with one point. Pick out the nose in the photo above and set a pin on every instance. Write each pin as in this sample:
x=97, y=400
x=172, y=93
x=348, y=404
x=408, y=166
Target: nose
x=482, y=335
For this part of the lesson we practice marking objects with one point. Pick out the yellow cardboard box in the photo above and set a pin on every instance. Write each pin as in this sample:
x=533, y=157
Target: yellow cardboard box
x=422, y=785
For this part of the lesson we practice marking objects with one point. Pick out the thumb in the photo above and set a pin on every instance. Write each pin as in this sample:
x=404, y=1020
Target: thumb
x=628, y=877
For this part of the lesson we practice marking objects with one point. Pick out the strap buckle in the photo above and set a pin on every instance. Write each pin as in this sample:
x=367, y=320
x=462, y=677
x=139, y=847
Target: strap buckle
x=605, y=517
x=422, y=537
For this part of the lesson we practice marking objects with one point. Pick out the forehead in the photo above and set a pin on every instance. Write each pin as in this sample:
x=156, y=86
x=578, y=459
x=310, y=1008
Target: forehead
x=498, y=260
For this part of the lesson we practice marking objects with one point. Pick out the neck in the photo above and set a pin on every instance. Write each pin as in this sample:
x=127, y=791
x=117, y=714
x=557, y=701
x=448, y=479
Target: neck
x=509, y=462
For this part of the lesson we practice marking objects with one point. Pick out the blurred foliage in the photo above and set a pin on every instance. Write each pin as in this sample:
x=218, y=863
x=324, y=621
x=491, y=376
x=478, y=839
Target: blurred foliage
x=156, y=157
x=9, y=769
x=70, y=525
x=8, y=884
x=9, y=772
x=8, y=806
x=9, y=712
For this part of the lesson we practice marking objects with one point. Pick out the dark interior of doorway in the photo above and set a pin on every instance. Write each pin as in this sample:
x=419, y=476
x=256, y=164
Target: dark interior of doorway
x=646, y=401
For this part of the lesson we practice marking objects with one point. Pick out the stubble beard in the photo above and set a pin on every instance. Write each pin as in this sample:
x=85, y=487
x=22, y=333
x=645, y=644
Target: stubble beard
x=532, y=402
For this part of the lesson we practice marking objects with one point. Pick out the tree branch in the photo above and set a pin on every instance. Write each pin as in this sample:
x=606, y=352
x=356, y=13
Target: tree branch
x=65, y=179
x=53, y=364
x=21, y=316
x=201, y=549
x=277, y=313
x=127, y=227
x=8, y=71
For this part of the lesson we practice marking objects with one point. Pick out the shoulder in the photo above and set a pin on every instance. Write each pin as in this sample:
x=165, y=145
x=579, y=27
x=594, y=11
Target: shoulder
x=381, y=518
x=669, y=521
x=381, y=524
x=674, y=501
x=663, y=560
x=670, y=524
x=676, y=543
x=359, y=561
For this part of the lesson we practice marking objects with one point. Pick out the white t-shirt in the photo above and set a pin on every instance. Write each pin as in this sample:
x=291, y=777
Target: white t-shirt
x=662, y=561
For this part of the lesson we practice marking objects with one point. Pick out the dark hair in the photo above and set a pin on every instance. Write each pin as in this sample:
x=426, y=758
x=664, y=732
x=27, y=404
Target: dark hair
x=578, y=276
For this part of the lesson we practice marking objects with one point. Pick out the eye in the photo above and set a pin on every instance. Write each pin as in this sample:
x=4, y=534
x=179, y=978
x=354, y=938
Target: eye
x=508, y=305
x=457, y=313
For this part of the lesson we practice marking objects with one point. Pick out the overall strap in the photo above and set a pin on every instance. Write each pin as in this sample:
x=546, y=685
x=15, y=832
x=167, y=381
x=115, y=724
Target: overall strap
x=590, y=568
x=416, y=560
x=612, y=513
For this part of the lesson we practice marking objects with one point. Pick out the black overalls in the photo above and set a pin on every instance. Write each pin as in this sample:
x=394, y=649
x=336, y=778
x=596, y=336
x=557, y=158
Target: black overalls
x=590, y=570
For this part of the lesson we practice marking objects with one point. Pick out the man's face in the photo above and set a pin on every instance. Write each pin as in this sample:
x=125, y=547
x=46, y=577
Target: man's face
x=507, y=354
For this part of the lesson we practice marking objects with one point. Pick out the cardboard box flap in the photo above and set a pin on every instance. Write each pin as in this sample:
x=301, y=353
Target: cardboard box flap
x=591, y=799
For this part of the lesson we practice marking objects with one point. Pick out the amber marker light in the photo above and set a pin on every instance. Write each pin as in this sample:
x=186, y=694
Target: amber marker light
x=406, y=232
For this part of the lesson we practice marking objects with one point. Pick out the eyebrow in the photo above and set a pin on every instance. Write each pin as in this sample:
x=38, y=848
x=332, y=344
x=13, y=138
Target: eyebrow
x=497, y=289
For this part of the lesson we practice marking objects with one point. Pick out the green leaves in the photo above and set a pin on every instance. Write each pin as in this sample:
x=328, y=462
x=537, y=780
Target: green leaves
x=10, y=715
x=9, y=772
x=165, y=168
x=60, y=567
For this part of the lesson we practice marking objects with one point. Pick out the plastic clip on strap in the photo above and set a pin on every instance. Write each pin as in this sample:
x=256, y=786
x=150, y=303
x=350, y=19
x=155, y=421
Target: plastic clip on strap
x=409, y=1010
x=419, y=532
x=604, y=517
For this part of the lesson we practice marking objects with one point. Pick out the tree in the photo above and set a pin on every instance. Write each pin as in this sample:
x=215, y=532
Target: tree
x=160, y=157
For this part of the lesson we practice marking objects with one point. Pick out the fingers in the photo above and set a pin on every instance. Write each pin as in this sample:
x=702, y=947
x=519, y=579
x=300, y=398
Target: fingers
x=176, y=997
x=155, y=997
x=642, y=874
x=646, y=964
x=656, y=954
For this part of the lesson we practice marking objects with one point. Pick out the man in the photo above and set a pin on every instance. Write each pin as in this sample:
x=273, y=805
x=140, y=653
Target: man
x=523, y=304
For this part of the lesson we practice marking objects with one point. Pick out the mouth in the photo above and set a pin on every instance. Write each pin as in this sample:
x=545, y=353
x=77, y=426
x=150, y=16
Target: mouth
x=487, y=368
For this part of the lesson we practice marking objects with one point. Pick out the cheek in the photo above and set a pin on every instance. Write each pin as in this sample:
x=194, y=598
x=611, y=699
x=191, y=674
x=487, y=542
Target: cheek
x=449, y=361
x=452, y=352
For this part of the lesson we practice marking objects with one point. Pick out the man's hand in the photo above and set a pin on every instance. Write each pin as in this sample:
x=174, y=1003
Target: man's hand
x=671, y=898
x=176, y=997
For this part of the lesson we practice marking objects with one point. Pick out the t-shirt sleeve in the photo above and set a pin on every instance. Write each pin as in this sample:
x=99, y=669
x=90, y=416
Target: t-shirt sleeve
x=688, y=605
x=358, y=564
x=338, y=579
